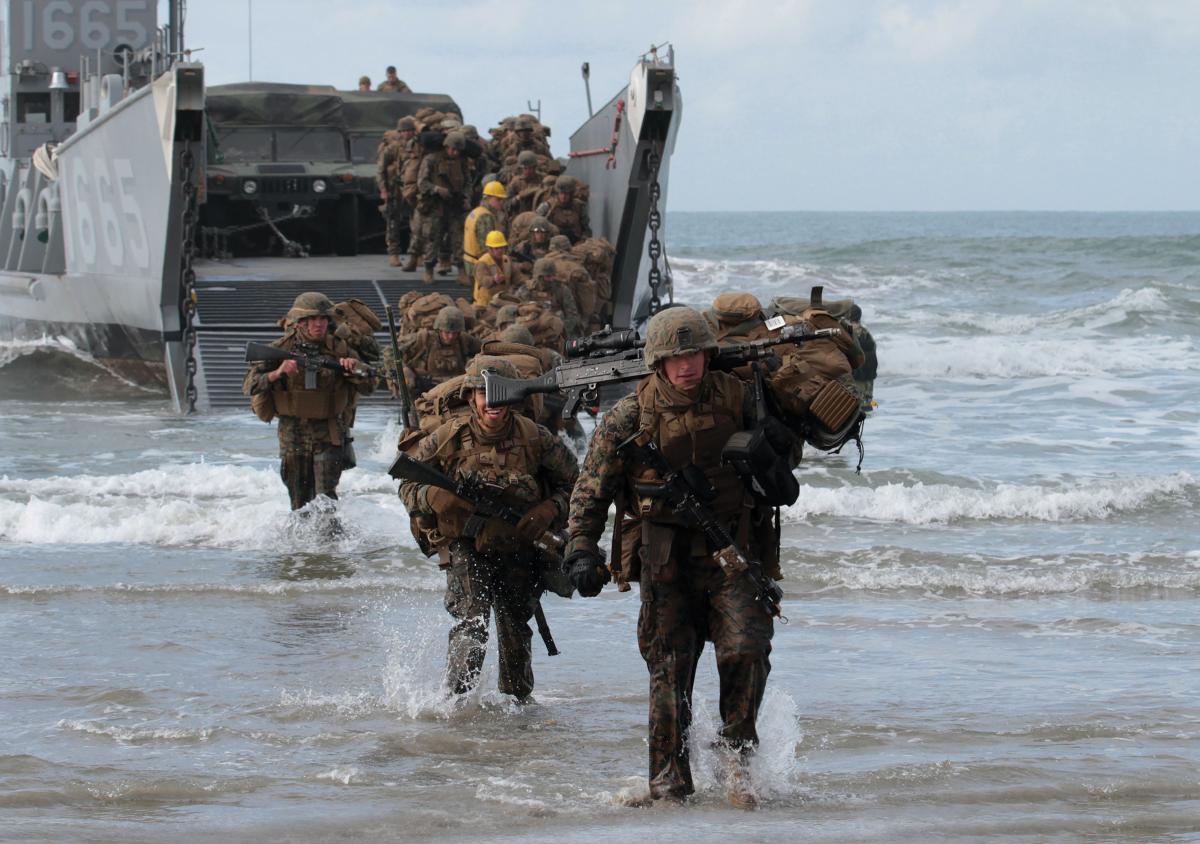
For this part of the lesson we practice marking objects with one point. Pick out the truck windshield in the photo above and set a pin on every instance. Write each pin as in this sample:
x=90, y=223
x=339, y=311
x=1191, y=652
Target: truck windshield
x=243, y=145
x=364, y=149
x=310, y=145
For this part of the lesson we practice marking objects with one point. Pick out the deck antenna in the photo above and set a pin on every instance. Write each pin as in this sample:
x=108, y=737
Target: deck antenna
x=535, y=111
x=587, y=86
x=250, y=35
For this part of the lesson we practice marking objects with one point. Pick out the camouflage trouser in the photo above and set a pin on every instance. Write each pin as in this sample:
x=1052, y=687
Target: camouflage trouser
x=396, y=216
x=309, y=466
x=416, y=224
x=684, y=603
x=436, y=224
x=477, y=583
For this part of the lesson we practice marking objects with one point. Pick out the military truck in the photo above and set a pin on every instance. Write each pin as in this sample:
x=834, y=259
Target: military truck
x=279, y=178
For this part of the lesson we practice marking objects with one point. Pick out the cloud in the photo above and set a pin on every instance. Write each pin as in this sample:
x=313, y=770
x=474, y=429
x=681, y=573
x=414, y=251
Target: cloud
x=732, y=25
x=942, y=30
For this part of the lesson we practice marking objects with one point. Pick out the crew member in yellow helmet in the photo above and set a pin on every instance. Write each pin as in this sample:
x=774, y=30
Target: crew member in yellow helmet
x=488, y=217
x=494, y=271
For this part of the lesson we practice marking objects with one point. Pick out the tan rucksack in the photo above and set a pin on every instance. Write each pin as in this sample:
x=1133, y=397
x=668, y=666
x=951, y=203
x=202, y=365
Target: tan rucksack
x=424, y=310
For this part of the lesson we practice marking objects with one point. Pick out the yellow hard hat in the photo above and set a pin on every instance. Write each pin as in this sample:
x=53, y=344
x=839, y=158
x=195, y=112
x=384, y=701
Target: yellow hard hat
x=494, y=188
x=496, y=240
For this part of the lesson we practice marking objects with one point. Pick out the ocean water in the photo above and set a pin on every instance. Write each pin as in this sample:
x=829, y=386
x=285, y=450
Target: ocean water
x=993, y=628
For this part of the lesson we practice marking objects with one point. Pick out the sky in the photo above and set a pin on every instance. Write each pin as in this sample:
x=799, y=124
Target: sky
x=839, y=105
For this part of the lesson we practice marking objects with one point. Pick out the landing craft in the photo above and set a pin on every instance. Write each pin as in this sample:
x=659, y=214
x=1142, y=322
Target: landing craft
x=105, y=167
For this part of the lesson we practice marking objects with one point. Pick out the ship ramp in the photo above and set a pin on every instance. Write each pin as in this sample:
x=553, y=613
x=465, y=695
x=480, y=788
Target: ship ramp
x=243, y=299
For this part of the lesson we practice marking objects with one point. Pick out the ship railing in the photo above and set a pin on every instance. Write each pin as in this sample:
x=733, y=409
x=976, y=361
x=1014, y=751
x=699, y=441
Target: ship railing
x=653, y=57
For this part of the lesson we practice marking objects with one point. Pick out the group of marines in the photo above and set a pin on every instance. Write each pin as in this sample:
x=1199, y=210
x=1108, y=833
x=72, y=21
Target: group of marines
x=500, y=212
x=685, y=410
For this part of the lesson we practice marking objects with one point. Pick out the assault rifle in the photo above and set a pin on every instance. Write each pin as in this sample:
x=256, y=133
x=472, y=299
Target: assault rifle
x=581, y=378
x=309, y=357
x=486, y=502
x=686, y=490
x=408, y=411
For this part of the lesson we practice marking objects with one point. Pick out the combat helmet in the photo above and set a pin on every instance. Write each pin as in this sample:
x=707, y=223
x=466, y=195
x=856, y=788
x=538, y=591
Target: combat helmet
x=516, y=333
x=470, y=131
x=560, y=243
x=539, y=224
x=473, y=377
x=507, y=315
x=406, y=124
x=450, y=318
x=455, y=140
x=310, y=305
x=544, y=268
x=734, y=306
x=527, y=158
x=677, y=331
x=523, y=124
x=565, y=184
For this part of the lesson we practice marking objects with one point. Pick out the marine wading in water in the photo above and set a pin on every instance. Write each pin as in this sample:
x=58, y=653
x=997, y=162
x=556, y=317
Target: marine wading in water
x=698, y=460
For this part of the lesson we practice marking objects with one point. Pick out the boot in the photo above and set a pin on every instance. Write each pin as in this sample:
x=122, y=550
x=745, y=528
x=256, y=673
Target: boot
x=410, y=266
x=427, y=278
x=393, y=260
x=443, y=268
x=462, y=276
x=738, y=788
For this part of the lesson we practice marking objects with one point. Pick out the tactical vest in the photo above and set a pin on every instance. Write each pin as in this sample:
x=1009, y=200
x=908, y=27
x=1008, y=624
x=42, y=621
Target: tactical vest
x=327, y=401
x=694, y=435
x=439, y=360
x=451, y=173
x=473, y=250
x=567, y=218
x=511, y=463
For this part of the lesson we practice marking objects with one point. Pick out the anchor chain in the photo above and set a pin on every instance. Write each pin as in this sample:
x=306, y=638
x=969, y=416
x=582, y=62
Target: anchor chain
x=187, y=274
x=654, y=249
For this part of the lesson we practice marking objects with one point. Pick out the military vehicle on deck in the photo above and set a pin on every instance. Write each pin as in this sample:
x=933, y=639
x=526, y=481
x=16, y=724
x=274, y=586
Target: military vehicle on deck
x=279, y=177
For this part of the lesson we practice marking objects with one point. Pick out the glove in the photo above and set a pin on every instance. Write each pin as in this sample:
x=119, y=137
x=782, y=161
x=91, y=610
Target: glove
x=587, y=573
x=537, y=521
x=443, y=501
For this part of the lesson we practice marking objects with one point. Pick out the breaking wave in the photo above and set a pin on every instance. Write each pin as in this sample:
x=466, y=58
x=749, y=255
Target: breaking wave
x=197, y=504
x=922, y=504
x=55, y=369
x=892, y=570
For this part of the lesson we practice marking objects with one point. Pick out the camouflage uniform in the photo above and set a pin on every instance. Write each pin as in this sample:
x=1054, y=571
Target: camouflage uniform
x=396, y=86
x=686, y=598
x=392, y=158
x=312, y=423
x=499, y=570
x=864, y=375
x=546, y=287
x=567, y=212
x=432, y=360
x=442, y=185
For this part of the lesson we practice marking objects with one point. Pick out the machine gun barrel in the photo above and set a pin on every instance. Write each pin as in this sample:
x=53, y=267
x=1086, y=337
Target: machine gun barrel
x=581, y=378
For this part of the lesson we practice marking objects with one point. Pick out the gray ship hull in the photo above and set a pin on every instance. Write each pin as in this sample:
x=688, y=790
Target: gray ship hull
x=116, y=296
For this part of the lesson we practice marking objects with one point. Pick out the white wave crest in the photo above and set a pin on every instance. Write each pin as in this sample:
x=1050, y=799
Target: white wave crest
x=1012, y=356
x=922, y=504
x=1144, y=301
x=198, y=504
x=698, y=280
x=12, y=350
x=131, y=735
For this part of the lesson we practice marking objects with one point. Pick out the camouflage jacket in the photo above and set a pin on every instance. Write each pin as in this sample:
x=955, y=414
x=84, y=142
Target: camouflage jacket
x=547, y=471
x=603, y=476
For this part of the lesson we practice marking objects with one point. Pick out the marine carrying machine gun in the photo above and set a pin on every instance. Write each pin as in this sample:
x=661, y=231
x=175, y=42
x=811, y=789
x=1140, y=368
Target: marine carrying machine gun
x=487, y=502
x=580, y=378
